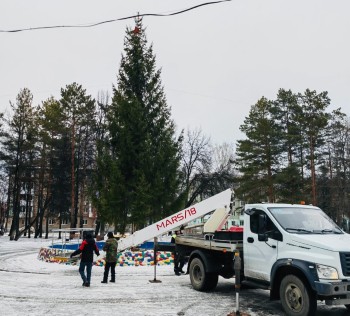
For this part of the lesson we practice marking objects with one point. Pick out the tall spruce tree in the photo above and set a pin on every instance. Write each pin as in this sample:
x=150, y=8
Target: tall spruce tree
x=142, y=158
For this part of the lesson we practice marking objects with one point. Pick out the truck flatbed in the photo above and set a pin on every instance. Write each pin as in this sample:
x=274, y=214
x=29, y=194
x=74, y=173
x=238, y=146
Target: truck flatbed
x=206, y=242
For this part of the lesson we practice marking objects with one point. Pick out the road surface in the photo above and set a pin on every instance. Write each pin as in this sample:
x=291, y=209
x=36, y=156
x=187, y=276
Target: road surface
x=31, y=287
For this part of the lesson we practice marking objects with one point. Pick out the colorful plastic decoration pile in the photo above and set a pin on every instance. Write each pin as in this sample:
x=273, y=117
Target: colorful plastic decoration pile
x=144, y=258
x=126, y=258
x=55, y=255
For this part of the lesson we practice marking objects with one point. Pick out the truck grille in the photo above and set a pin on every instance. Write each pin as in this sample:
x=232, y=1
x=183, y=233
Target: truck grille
x=345, y=262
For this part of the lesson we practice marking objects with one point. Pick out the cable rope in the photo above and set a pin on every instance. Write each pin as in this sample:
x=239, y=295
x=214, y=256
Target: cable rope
x=114, y=20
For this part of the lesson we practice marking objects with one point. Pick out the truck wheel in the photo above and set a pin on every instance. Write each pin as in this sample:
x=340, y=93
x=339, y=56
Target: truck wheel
x=212, y=281
x=347, y=306
x=200, y=280
x=296, y=298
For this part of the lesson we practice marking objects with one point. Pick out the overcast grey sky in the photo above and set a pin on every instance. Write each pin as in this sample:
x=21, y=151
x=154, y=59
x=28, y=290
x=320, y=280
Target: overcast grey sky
x=216, y=60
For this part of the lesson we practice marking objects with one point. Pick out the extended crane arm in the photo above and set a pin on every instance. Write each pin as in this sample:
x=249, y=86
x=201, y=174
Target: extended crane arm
x=220, y=200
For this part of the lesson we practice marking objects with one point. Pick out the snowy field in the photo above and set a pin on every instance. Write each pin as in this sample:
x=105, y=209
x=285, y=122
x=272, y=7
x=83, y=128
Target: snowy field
x=31, y=287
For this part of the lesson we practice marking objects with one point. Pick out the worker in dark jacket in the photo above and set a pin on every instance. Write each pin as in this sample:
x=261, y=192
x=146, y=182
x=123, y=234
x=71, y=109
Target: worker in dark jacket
x=111, y=249
x=86, y=249
x=179, y=260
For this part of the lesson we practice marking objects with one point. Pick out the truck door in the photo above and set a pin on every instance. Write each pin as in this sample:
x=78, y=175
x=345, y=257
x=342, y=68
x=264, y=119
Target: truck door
x=260, y=245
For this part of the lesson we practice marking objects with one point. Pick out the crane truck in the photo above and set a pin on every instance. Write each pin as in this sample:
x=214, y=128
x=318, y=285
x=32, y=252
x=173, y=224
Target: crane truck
x=295, y=251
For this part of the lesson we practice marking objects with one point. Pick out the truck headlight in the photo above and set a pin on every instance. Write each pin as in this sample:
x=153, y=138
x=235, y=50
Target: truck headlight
x=326, y=272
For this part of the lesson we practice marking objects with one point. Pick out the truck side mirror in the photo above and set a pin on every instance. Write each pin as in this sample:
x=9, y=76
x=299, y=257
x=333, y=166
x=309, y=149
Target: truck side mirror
x=262, y=236
x=262, y=224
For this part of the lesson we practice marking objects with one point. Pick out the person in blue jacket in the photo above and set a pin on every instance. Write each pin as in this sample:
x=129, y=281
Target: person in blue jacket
x=86, y=249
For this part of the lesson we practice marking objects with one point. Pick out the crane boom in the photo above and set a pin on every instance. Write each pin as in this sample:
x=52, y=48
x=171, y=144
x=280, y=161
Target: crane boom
x=220, y=200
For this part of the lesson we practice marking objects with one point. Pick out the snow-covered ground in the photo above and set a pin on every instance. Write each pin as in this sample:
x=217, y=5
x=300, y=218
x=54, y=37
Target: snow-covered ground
x=31, y=287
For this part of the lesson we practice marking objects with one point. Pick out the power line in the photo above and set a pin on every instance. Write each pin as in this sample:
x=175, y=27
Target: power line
x=114, y=20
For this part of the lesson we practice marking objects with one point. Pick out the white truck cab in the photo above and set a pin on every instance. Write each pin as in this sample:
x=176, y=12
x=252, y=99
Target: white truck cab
x=297, y=252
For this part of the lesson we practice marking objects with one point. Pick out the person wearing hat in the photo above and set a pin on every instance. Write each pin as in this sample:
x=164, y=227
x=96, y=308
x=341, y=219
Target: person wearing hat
x=86, y=249
x=111, y=249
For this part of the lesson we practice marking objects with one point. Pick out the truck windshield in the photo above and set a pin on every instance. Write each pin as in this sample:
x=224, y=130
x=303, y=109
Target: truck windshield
x=299, y=220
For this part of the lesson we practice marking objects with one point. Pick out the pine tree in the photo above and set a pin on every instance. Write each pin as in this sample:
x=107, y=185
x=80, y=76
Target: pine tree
x=314, y=121
x=290, y=178
x=333, y=181
x=54, y=165
x=79, y=111
x=98, y=175
x=258, y=155
x=142, y=150
x=19, y=144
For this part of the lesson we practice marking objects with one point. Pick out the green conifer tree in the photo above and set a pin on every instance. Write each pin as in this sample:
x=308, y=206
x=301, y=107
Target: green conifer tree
x=18, y=144
x=258, y=154
x=143, y=154
x=79, y=112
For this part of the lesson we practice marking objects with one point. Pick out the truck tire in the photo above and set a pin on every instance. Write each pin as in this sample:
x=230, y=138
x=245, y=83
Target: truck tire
x=296, y=298
x=347, y=306
x=200, y=280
